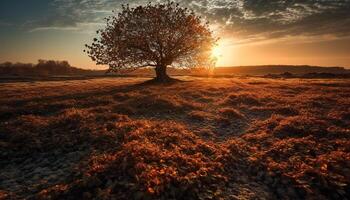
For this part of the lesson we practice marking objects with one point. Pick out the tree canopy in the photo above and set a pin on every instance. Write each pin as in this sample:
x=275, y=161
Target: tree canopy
x=154, y=35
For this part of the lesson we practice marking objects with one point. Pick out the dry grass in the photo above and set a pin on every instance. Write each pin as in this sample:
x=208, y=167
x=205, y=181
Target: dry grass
x=237, y=138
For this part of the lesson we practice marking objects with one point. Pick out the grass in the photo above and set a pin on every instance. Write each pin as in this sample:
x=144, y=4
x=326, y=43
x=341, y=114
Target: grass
x=201, y=138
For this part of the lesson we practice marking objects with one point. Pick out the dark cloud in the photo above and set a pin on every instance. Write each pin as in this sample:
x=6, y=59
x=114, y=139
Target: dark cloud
x=240, y=18
x=279, y=18
x=4, y=23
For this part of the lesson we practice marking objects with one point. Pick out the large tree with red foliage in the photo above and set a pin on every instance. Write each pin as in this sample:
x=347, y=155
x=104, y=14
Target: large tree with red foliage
x=155, y=35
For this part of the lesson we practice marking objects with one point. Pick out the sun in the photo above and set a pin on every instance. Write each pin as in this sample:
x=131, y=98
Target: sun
x=222, y=52
x=217, y=52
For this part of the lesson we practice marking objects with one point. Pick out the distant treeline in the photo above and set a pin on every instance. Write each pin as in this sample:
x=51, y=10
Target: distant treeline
x=278, y=69
x=310, y=75
x=260, y=70
x=49, y=68
x=44, y=68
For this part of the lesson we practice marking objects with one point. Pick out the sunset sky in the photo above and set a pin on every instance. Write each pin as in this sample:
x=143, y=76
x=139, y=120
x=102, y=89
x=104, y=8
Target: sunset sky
x=252, y=32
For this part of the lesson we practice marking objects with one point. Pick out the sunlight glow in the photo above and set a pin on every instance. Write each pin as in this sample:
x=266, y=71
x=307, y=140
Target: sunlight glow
x=219, y=50
x=216, y=54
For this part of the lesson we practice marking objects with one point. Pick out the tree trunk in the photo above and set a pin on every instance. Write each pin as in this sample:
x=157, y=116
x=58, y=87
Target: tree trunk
x=161, y=75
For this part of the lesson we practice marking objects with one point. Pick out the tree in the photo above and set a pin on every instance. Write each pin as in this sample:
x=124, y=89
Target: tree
x=155, y=35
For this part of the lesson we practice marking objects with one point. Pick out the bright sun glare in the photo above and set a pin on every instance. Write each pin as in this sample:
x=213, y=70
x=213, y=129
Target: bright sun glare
x=217, y=53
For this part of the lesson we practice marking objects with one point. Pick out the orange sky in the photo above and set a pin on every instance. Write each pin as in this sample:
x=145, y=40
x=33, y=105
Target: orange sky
x=252, y=33
x=291, y=51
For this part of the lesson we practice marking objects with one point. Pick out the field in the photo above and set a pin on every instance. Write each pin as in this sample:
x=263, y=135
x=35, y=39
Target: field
x=201, y=138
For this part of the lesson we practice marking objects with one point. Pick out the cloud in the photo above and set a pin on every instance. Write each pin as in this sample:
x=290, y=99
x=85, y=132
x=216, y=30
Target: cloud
x=246, y=20
x=271, y=19
x=71, y=14
x=4, y=23
x=53, y=28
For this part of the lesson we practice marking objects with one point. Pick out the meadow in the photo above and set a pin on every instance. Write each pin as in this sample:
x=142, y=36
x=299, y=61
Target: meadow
x=201, y=138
